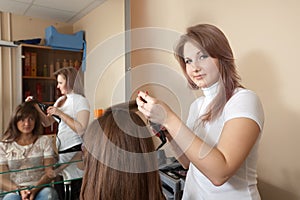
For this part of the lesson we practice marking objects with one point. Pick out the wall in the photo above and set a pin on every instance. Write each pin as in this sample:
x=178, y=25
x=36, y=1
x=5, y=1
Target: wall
x=265, y=38
x=24, y=27
x=105, y=75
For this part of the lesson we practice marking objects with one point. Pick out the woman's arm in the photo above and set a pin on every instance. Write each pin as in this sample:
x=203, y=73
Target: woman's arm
x=217, y=163
x=46, y=120
x=46, y=178
x=179, y=154
x=6, y=184
x=78, y=125
x=76, y=158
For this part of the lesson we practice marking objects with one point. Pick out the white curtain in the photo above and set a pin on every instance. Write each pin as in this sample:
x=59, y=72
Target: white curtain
x=8, y=99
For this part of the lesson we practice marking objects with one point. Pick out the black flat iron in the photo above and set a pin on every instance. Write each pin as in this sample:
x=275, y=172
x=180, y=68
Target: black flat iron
x=159, y=132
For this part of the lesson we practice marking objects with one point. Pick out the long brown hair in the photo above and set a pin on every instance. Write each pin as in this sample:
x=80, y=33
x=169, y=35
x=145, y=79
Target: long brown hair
x=211, y=40
x=119, y=158
x=22, y=111
x=73, y=79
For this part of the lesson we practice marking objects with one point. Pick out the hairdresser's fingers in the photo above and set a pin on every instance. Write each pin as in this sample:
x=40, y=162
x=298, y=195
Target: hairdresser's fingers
x=146, y=97
x=29, y=98
x=139, y=101
x=141, y=107
x=50, y=110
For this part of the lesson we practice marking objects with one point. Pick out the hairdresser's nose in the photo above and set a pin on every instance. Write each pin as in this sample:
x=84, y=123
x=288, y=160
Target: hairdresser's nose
x=196, y=65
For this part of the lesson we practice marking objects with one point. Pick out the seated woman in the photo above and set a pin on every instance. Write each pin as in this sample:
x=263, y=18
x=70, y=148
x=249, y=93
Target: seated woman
x=26, y=157
x=120, y=161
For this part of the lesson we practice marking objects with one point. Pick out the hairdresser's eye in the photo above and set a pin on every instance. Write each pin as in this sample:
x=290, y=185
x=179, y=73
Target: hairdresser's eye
x=188, y=61
x=203, y=56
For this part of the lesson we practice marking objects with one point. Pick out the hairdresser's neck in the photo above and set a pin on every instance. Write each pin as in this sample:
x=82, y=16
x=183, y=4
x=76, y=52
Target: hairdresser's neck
x=211, y=90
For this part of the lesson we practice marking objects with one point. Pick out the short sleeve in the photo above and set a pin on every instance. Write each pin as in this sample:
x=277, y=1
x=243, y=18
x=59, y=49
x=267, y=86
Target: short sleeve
x=82, y=104
x=245, y=103
x=47, y=144
x=3, y=159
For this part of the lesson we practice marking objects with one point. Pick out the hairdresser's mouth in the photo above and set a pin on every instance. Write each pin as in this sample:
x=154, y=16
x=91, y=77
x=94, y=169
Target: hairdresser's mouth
x=199, y=77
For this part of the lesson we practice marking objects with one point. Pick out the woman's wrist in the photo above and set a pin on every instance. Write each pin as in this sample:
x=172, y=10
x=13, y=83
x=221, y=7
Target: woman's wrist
x=171, y=121
x=62, y=116
x=33, y=188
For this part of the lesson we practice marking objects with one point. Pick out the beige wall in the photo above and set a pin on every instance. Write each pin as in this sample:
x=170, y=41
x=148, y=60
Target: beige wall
x=265, y=38
x=104, y=27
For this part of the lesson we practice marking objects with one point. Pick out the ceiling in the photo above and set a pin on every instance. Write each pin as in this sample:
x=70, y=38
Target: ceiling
x=68, y=11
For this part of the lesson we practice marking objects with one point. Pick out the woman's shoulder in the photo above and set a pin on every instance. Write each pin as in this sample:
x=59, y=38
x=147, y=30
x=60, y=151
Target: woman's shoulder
x=81, y=102
x=245, y=103
x=75, y=95
x=43, y=139
x=7, y=143
x=244, y=97
x=3, y=145
x=245, y=94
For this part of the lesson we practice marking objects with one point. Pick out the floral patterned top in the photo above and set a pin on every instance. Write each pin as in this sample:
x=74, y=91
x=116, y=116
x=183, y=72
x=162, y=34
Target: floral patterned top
x=30, y=158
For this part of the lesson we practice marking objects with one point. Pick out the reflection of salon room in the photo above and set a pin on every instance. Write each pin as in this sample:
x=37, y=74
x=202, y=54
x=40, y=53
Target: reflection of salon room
x=122, y=47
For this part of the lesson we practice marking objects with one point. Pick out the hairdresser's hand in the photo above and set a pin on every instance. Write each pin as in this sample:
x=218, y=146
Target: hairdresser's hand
x=29, y=98
x=153, y=109
x=52, y=110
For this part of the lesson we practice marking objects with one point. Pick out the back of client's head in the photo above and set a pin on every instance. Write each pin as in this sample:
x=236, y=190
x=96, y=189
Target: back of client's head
x=119, y=158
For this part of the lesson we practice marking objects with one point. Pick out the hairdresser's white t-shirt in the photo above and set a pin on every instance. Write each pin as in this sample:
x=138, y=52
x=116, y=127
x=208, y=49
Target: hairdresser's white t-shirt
x=66, y=136
x=241, y=186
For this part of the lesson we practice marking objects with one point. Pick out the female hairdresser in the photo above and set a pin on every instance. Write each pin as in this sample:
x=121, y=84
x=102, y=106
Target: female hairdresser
x=73, y=110
x=219, y=142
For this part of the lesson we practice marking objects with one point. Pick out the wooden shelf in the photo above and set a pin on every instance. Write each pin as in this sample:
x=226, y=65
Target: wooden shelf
x=33, y=82
x=39, y=77
x=47, y=47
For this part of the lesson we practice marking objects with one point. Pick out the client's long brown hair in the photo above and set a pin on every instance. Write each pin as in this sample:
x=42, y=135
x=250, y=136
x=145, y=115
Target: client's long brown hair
x=119, y=158
x=25, y=109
